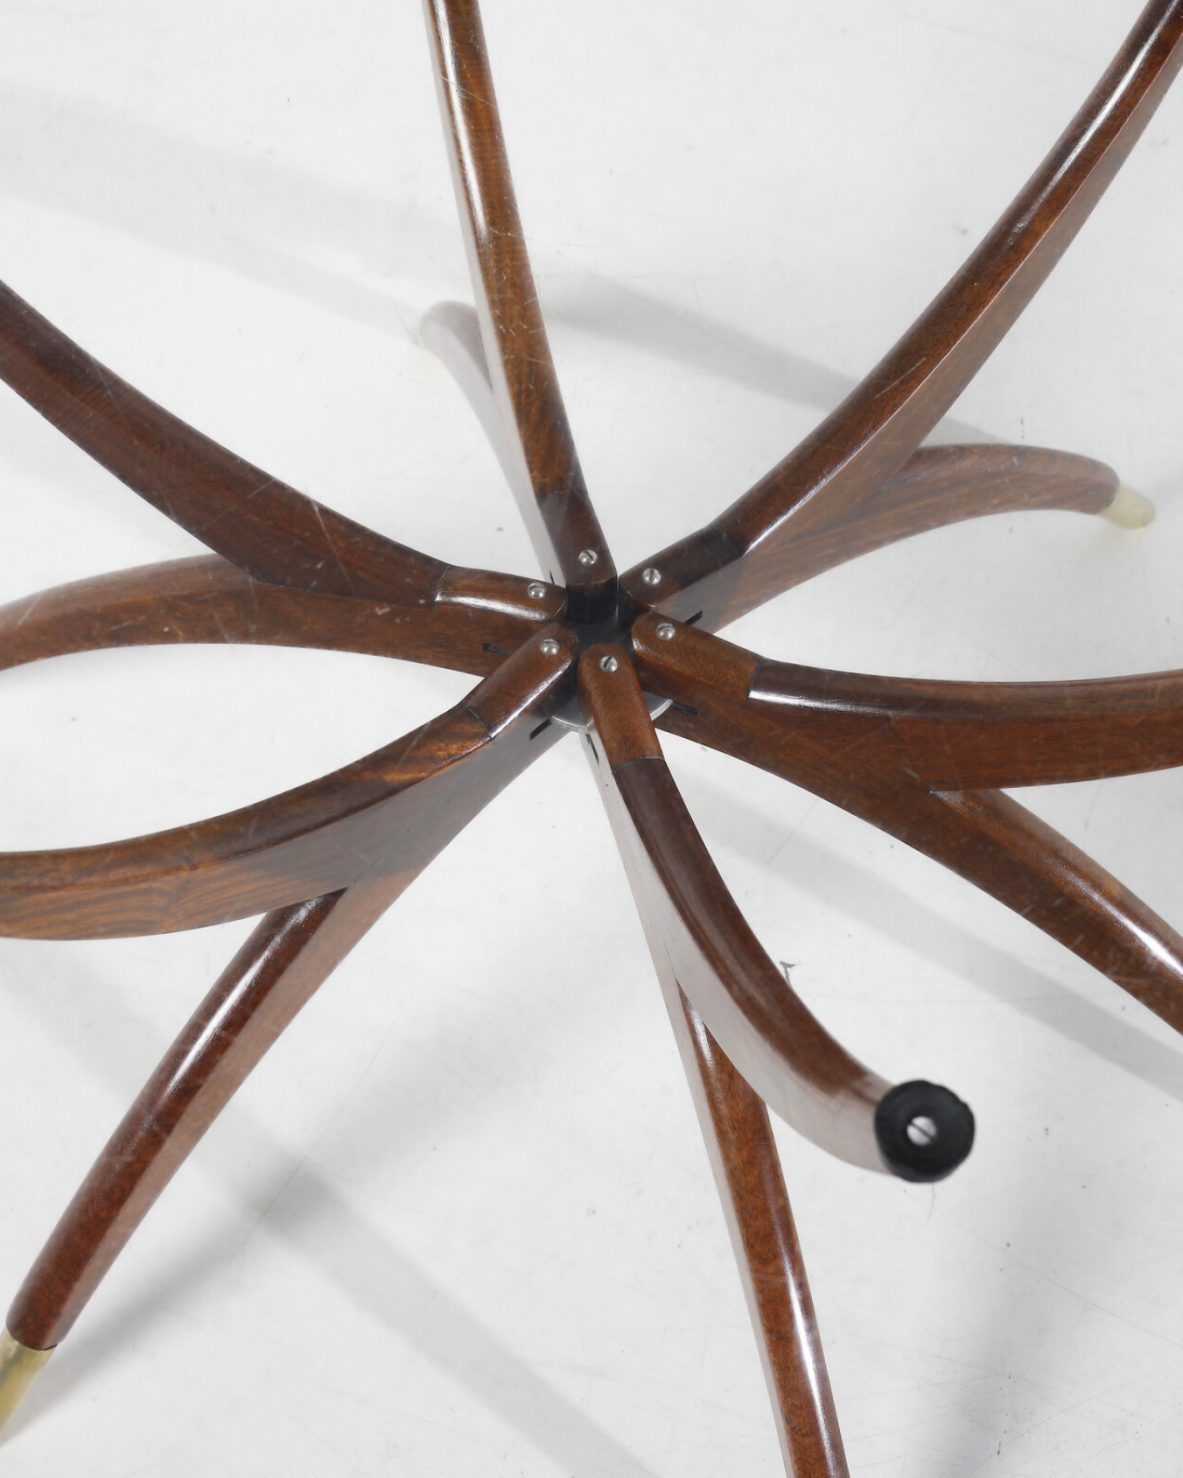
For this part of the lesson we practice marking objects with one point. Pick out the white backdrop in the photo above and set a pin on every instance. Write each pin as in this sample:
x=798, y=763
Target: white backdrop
x=460, y=1222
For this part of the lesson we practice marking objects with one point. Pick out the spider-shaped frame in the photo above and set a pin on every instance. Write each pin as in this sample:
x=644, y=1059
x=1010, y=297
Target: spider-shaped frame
x=581, y=649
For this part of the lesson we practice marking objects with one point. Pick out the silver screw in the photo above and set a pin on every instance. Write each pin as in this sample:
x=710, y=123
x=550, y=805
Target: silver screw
x=651, y=575
x=536, y=590
x=921, y=1130
x=665, y=630
x=549, y=647
x=587, y=558
x=608, y=664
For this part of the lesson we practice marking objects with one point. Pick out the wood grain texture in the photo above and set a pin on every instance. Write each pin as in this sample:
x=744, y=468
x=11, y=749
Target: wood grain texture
x=312, y=840
x=740, y=559
x=751, y=1186
x=288, y=955
x=921, y=760
x=943, y=485
x=974, y=736
x=701, y=943
x=475, y=621
x=984, y=836
x=545, y=474
x=248, y=517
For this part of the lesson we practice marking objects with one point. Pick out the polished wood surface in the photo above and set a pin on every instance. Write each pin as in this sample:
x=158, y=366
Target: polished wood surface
x=973, y=736
x=287, y=956
x=545, y=473
x=925, y=761
x=475, y=620
x=747, y=1171
x=701, y=942
x=985, y=836
x=738, y=561
x=701, y=945
x=309, y=841
x=266, y=528
x=941, y=485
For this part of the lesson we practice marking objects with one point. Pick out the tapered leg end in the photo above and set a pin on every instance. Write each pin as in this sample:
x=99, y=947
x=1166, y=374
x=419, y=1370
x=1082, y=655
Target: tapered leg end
x=1130, y=510
x=18, y=1370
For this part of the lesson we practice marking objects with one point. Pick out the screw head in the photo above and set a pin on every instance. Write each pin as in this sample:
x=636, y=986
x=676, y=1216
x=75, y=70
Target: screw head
x=536, y=590
x=608, y=663
x=651, y=575
x=921, y=1130
x=587, y=558
x=548, y=646
x=665, y=631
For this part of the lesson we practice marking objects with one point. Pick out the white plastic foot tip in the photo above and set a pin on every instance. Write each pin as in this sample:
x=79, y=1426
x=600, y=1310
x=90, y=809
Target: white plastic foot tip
x=1129, y=510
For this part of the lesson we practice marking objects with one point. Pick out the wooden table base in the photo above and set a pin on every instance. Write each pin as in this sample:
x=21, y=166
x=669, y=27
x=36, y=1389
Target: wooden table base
x=615, y=657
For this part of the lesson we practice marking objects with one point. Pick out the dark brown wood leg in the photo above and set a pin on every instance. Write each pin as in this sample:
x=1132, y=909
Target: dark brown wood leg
x=701, y=944
x=476, y=618
x=949, y=484
x=982, y=834
x=533, y=438
x=738, y=561
x=923, y=761
x=990, y=839
x=751, y=1186
x=268, y=529
x=935, y=735
x=407, y=800
x=289, y=954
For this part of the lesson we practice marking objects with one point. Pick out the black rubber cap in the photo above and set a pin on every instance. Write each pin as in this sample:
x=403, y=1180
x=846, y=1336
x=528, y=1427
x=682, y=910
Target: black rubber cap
x=924, y=1131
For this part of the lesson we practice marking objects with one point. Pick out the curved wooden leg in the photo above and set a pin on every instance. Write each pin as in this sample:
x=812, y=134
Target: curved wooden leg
x=992, y=841
x=452, y=332
x=252, y=519
x=983, y=835
x=412, y=796
x=737, y=562
x=1015, y=857
x=702, y=944
x=936, y=735
x=288, y=955
x=476, y=619
x=534, y=439
x=947, y=484
x=751, y=1186
x=972, y=736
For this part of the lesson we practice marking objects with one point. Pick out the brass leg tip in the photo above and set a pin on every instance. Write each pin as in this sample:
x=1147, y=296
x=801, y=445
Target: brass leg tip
x=1129, y=510
x=18, y=1370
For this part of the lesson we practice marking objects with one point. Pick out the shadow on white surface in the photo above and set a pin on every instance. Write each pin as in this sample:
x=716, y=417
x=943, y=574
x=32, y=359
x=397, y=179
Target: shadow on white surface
x=302, y=1208
x=873, y=902
x=988, y=1327
x=134, y=191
